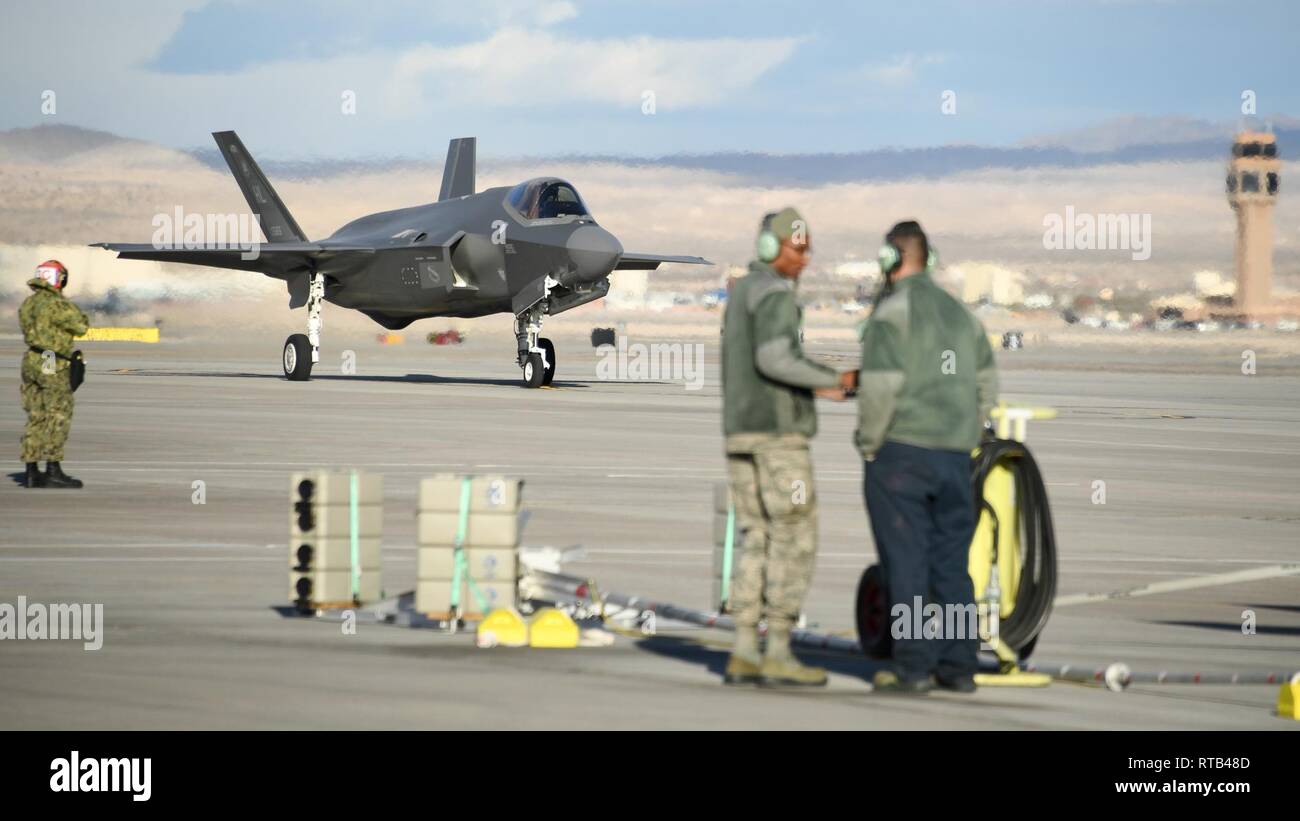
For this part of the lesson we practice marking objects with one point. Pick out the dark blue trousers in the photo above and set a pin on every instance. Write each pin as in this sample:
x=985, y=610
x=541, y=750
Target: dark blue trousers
x=923, y=516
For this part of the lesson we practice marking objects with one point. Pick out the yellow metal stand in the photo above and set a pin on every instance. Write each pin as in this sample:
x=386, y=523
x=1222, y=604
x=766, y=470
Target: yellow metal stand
x=1009, y=673
x=1288, y=700
x=994, y=564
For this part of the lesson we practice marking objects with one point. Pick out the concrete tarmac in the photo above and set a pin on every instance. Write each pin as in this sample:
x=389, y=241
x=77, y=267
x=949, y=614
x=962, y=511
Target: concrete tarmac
x=1200, y=465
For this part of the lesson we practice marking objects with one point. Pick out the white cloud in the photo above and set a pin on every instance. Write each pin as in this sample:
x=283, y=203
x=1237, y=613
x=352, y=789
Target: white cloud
x=521, y=67
x=548, y=14
x=405, y=96
x=899, y=70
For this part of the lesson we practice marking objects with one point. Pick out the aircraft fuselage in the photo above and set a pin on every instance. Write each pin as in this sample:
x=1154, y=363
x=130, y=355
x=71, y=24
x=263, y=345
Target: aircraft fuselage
x=464, y=257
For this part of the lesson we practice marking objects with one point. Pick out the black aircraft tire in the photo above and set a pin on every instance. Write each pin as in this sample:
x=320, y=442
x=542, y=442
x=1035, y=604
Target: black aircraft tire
x=296, y=358
x=534, y=373
x=549, y=347
x=871, y=613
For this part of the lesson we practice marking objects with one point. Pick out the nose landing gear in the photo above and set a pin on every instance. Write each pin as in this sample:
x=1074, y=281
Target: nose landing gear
x=536, y=354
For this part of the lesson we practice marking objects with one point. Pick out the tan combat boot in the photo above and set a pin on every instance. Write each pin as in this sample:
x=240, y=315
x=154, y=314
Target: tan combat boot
x=782, y=669
x=741, y=670
x=743, y=665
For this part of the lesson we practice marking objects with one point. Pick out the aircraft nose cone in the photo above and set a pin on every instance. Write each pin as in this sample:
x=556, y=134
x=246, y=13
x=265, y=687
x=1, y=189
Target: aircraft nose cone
x=594, y=252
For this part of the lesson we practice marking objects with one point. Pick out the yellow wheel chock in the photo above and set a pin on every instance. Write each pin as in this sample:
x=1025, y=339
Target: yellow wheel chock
x=553, y=628
x=502, y=627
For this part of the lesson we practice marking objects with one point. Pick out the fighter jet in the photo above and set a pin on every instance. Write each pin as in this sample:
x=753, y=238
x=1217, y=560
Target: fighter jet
x=532, y=250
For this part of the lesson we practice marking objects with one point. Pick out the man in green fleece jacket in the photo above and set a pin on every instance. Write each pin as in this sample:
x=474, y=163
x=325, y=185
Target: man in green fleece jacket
x=928, y=382
x=768, y=419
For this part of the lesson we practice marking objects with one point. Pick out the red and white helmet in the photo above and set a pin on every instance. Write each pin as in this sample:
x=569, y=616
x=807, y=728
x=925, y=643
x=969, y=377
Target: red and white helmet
x=53, y=272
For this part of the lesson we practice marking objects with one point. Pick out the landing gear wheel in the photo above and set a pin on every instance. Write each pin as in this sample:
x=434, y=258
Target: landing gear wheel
x=297, y=358
x=534, y=373
x=872, y=613
x=549, y=347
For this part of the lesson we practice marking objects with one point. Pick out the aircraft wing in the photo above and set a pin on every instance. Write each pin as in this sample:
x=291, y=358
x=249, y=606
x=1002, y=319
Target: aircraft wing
x=289, y=261
x=649, y=262
x=279, y=259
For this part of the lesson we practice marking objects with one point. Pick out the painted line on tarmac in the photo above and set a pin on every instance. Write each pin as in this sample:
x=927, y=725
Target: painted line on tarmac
x=1128, y=571
x=1154, y=446
x=613, y=551
x=659, y=471
x=855, y=566
x=1193, y=583
x=130, y=546
x=118, y=559
x=1161, y=560
x=296, y=464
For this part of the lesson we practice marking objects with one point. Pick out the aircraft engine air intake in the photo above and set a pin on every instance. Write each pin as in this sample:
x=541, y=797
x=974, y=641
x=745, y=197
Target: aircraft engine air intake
x=475, y=258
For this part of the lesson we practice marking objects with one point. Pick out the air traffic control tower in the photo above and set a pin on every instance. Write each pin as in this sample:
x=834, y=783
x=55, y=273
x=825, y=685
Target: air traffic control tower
x=1252, y=190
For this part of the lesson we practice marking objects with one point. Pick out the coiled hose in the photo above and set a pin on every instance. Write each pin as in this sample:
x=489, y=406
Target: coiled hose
x=1037, y=586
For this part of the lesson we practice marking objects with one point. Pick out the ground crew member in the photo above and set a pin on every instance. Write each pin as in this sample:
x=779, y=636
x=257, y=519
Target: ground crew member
x=927, y=384
x=768, y=419
x=49, y=322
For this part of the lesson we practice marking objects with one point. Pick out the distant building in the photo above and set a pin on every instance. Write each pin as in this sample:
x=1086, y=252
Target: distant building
x=630, y=289
x=858, y=269
x=1253, y=181
x=989, y=282
x=1212, y=284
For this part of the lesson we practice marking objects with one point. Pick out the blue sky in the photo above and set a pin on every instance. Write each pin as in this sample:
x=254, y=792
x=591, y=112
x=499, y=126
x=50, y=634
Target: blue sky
x=570, y=76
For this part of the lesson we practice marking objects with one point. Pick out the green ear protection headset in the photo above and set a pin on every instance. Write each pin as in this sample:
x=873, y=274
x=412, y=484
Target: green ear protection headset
x=769, y=244
x=890, y=257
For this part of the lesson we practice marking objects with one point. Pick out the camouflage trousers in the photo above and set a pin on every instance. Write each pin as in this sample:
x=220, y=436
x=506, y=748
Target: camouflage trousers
x=776, y=522
x=47, y=398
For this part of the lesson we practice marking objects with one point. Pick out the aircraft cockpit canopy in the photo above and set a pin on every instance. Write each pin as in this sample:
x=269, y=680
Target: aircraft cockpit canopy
x=546, y=198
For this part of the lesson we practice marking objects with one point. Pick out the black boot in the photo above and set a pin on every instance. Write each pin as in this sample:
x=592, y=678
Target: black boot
x=55, y=477
x=34, y=476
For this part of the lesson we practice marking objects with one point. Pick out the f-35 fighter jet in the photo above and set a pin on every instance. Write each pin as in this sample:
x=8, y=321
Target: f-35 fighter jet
x=531, y=250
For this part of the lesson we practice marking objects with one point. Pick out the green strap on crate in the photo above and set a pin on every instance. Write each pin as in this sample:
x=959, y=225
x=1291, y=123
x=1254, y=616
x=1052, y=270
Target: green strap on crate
x=354, y=518
x=728, y=545
x=460, y=563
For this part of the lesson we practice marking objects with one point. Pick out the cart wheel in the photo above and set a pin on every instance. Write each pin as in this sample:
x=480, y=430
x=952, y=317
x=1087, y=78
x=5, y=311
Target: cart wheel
x=872, y=612
x=1023, y=652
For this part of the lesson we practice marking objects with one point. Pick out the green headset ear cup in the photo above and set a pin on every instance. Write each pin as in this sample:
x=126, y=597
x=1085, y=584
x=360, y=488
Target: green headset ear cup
x=768, y=246
x=932, y=260
x=888, y=257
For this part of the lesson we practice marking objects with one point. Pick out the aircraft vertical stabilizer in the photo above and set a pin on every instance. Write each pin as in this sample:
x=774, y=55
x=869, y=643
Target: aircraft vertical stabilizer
x=277, y=223
x=458, y=173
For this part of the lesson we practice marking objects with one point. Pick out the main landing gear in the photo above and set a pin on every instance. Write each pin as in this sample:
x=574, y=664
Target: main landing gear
x=301, y=351
x=535, y=353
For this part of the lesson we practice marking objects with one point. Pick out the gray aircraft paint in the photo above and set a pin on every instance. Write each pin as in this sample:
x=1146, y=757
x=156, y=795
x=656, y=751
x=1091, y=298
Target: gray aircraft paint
x=433, y=260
